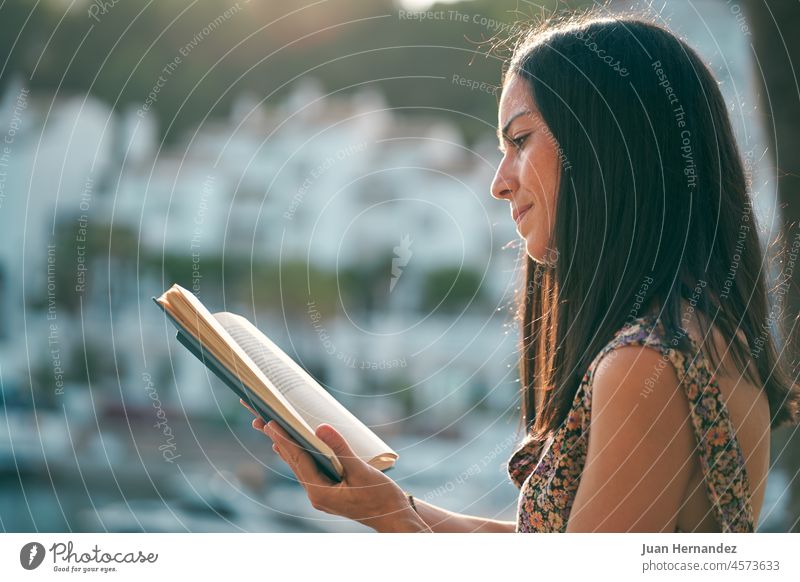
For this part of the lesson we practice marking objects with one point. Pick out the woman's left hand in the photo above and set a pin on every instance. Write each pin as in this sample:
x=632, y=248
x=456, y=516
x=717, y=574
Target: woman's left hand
x=365, y=494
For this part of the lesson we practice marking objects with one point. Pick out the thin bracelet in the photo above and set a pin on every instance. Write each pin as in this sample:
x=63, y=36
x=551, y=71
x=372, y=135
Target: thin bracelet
x=411, y=502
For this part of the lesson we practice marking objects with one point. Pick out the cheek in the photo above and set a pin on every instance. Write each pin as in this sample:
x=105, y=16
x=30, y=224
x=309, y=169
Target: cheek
x=538, y=172
x=542, y=225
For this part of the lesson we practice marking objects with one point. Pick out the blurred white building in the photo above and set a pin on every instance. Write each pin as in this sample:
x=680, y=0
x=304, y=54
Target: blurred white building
x=335, y=181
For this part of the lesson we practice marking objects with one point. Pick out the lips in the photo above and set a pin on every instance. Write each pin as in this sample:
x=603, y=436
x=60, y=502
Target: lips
x=520, y=212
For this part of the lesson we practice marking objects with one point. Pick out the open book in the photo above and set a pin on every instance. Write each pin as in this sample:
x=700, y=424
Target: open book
x=270, y=382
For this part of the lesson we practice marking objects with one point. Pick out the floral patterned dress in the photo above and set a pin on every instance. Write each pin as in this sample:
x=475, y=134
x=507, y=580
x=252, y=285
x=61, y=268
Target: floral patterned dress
x=548, y=473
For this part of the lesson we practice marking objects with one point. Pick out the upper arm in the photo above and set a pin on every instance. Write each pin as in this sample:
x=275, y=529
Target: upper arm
x=641, y=442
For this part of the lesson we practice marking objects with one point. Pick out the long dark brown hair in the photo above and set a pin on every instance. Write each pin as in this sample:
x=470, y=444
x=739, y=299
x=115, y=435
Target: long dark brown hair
x=652, y=208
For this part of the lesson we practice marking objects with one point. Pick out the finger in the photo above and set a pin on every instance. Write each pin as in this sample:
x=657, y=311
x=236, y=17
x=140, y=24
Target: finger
x=247, y=406
x=351, y=462
x=298, y=458
x=259, y=424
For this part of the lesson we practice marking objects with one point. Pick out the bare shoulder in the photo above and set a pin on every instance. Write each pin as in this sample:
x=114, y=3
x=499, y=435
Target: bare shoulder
x=640, y=443
x=640, y=376
x=636, y=392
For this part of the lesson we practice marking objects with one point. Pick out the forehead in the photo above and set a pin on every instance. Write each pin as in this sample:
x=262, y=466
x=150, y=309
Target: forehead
x=516, y=96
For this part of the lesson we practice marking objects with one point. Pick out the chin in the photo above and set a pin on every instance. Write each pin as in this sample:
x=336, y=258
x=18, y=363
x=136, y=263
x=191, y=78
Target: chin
x=540, y=252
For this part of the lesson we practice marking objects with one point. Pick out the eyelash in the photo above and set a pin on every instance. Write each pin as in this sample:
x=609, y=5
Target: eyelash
x=520, y=140
x=517, y=142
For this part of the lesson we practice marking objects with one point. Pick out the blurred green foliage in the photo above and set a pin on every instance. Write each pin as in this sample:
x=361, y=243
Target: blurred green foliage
x=452, y=290
x=263, y=48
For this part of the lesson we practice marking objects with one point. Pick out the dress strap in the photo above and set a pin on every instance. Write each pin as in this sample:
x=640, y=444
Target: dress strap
x=721, y=458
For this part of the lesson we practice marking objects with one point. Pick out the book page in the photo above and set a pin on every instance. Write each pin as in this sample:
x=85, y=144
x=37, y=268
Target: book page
x=314, y=404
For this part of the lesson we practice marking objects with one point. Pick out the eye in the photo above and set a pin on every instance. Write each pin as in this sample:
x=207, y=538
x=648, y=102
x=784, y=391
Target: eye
x=519, y=141
x=516, y=142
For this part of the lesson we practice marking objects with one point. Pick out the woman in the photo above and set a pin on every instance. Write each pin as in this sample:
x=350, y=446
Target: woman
x=648, y=386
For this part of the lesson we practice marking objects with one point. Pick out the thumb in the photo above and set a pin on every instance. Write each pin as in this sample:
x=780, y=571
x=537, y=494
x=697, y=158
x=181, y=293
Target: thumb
x=341, y=448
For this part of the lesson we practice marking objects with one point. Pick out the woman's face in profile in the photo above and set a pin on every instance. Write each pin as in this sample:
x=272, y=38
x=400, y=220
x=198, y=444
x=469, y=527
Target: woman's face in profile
x=528, y=173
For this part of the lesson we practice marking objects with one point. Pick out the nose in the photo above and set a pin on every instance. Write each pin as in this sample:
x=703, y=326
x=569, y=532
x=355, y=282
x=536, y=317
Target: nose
x=504, y=182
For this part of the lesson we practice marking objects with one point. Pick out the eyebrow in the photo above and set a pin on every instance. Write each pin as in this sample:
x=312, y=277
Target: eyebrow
x=504, y=131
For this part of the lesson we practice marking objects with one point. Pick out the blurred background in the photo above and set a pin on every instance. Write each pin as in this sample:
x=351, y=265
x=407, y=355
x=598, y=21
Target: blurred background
x=322, y=168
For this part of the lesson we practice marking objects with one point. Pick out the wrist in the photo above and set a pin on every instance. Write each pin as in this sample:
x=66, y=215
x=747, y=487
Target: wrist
x=402, y=519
